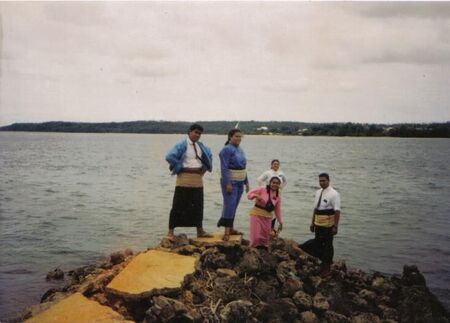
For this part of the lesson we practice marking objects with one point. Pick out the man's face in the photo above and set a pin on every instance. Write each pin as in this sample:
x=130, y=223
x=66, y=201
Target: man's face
x=324, y=182
x=194, y=135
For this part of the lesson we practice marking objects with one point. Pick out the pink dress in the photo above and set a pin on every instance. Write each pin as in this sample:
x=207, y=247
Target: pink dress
x=260, y=219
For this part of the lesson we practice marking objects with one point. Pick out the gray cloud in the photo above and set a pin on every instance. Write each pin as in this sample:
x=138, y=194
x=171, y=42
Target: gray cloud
x=242, y=60
x=86, y=14
x=424, y=10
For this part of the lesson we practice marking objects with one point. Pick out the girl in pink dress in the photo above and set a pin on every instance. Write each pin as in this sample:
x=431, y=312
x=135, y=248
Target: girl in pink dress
x=267, y=202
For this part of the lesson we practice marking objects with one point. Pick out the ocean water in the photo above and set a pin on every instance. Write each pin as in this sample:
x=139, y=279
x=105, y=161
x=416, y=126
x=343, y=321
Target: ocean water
x=68, y=200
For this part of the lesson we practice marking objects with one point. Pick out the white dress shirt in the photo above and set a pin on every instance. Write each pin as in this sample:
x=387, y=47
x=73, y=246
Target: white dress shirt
x=330, y=199
x=189, y=159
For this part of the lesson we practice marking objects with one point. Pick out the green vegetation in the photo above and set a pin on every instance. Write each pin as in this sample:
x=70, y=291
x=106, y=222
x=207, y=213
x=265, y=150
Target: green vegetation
x=435, y=130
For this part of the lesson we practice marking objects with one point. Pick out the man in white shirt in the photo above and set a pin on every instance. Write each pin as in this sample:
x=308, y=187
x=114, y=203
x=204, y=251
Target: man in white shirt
x=189, y=159
x=324, y=223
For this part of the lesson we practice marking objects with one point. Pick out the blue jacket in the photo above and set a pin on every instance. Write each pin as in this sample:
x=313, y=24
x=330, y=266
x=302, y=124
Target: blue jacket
x=231, y=157
x=175, y=156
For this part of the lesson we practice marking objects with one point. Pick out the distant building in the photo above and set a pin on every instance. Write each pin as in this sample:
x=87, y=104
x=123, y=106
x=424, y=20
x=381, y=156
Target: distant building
x=263, y=129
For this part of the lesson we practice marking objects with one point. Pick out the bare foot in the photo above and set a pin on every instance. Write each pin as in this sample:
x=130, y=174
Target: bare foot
x=226, y=237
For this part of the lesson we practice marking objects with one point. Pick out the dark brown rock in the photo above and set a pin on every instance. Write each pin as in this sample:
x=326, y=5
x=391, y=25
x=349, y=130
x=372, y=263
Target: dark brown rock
x=175, y=242
x=290, y=286
x=388, y=313
x=250, y=263
x=303, y=301
x=188, y=250
x=308, y=317
x=365, y=318
x=212, y=258
x=117, y=258
x=236, y=311
x=165, y=309
x=412, y=276
x=265, y=288
x=367, y=295
x=320, y=304
x=333, y=317
x=55, y=274
x=279, y=310
x=47, y=295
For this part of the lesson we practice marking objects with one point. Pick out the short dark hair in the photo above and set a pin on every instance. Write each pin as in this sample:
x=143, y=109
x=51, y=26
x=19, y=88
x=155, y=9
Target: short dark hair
x=324, y=175
x=274, y=160
x=195, y=126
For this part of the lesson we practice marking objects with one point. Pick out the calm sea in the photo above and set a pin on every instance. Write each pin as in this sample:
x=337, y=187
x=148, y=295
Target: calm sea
x=68, y=200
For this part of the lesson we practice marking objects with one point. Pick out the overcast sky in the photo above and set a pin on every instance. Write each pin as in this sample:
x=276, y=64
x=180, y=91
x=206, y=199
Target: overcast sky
x=299, y=61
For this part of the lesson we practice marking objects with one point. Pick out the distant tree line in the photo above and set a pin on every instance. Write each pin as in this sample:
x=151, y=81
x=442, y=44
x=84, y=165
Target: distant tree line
x=436, y=130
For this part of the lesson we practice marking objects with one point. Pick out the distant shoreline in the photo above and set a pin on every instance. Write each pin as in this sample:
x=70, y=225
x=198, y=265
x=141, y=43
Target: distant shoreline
x=283, y=128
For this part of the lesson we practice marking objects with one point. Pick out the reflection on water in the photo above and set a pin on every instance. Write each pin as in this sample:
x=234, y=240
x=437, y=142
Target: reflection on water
x=70, y=199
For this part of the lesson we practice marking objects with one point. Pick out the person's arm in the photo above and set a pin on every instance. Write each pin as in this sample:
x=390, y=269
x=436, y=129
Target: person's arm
x=316, y=199
x=207, y=158
x=337, y=213
x=174, y=158
x=225, y=155
x=284, y=180
x=278, y=214
x=262, y=179
x=255, y=194
x=312, y=226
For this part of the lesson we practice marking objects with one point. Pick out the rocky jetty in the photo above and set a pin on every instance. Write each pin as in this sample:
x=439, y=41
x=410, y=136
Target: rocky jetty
x=231, y=282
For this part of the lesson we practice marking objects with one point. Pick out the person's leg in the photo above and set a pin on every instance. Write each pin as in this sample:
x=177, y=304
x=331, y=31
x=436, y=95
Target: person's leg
x=254, y=230
x=226, y=220
x=172, y=216
x=198, y=206
x=325, y=238
x=238, y=189
x=265, y=229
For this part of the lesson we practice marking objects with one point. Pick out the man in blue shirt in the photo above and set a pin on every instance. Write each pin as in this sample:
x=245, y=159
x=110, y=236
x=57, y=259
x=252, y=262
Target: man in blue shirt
x=189, y=159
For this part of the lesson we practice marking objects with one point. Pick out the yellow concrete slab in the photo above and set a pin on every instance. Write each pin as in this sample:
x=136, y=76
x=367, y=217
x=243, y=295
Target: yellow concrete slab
x=77, y=309
x=154, y=269
x=217, y=238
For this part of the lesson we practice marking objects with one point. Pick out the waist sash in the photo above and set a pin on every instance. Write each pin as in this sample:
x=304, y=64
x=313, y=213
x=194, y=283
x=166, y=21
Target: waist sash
x=189, y=180
x=238, y=175
x=256, y=211
x=324, y=218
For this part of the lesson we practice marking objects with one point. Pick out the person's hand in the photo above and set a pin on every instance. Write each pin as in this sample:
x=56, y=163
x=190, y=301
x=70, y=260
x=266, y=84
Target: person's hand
x=280, y=227
x=259, y=198
x=247, y=188
x=334, y=230
x=229, y=188
x=311, y=227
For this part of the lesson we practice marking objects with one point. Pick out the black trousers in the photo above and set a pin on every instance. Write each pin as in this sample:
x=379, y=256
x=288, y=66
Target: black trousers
x=321, y=246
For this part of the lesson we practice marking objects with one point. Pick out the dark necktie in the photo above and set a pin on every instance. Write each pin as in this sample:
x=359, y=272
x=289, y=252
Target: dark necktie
x=320, y=198
x=196, y=152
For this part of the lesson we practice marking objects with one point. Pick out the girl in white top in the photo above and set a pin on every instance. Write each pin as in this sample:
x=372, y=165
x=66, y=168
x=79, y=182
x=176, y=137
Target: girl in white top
x=274, y=170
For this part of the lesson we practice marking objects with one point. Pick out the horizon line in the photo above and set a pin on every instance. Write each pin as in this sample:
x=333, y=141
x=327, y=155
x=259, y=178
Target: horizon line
x=200, y=121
